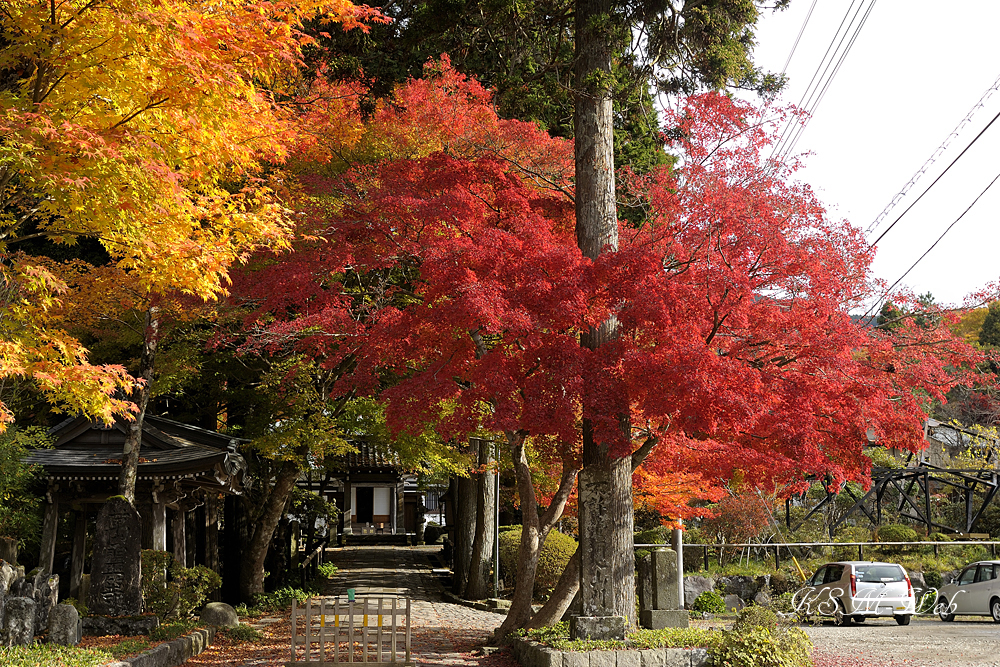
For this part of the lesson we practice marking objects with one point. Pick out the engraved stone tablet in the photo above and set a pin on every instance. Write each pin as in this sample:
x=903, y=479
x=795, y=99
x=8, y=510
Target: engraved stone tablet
x=114, y=579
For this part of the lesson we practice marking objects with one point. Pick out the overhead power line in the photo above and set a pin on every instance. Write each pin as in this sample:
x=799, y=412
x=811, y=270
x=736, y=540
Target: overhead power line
x=934, y=156
x=847, y=32
x=878, y=303
x=940, y=176
x=791, y=53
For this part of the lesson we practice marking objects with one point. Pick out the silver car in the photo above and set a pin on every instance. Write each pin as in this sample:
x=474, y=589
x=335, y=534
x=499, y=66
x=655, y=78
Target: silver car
x=975, y=592
x=855, y=590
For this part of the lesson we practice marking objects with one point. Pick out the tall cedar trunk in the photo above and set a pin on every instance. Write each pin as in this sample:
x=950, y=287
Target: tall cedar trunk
x=562, y=595
x=568, y=586
x=465, y=531
x=478, y=586
x=534, y=529
x=133, y=437
x=607, y=579
x=252, y=567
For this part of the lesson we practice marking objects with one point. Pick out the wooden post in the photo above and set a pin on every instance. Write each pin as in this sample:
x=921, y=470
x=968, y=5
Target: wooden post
x=393, y=630
x=212, y=531
x=336, y=625
x=159, y=526
x=179, y=530
x=364, y=629
x=777, y=558
x=407, y=630
x=308, y=629
x=322, y=629
x=293, y=630
x=50, y=529
x=78, y=554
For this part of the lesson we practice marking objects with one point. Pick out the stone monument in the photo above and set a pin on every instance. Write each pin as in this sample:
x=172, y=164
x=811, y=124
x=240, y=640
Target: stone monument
x=659, y=592
x=114, y=579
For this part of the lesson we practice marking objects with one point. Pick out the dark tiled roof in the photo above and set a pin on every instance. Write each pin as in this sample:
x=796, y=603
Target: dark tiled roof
x=367, y=458
x=84, y=449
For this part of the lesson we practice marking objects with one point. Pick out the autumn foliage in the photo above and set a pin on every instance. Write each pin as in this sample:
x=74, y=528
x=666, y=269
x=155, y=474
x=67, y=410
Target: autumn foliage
x=446, y=260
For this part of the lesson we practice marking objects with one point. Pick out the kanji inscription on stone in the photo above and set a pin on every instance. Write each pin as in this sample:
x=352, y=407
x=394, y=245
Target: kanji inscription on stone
x=114, y=579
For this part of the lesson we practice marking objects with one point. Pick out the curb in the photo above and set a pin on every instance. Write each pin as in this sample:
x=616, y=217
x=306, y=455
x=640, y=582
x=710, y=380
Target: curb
x=172, y=653
x=481, y=606
x=533, y=654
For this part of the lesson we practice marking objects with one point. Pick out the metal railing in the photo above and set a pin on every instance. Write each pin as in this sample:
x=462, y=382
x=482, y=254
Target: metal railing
x=354, y=631
x=788, y=546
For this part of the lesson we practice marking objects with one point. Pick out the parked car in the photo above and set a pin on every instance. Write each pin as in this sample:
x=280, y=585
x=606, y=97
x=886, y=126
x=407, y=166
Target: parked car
x=855, y=590
x=976, y=591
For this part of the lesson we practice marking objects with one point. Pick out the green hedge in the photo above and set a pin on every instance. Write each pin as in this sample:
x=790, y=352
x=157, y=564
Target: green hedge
x=555, y=554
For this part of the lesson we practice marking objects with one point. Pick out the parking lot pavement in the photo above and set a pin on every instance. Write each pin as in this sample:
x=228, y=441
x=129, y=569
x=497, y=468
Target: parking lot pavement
x=925, y=642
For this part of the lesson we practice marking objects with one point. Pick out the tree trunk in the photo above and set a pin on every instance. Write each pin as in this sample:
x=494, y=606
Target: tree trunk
x=252, y=568
x=534, y=529
x=465, y=531
x=607, y=579
x=133, y=437
x=607, y=561
x=562, y=595
x=478, y=586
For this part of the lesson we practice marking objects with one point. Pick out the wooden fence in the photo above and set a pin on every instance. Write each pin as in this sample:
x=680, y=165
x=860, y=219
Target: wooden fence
x=334, y=631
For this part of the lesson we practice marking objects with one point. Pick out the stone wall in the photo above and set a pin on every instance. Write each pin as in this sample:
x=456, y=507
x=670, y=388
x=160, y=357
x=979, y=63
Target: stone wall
x=532, y=654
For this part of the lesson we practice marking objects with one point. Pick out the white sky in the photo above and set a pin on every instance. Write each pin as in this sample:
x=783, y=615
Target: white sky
x=917, y=68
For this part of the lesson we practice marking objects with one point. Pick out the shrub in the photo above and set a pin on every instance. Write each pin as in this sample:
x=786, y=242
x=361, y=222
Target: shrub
x=896, y=532
x=933, y=579
x=710, y=602
x=243, y=633
x=555, y=554
x=327, y=570
x=280, y=598
x=81, y=607
x=939, y=537
x=185, y=590
x=759, y=639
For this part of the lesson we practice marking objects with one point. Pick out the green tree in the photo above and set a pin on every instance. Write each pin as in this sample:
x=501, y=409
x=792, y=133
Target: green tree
x=989, y=334
x=20, y=503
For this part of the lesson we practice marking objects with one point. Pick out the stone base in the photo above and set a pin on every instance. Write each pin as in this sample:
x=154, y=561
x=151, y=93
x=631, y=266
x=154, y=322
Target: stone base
x=657, y=619
x=100, y=626
x=597, y=627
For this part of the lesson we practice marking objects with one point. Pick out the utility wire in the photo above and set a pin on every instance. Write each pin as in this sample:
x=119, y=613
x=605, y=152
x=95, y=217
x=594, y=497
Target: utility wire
x=791, y=53
x=802, y=127
x=933, y=245
x=934, y=156
x=791, y=121
x=940, y=176
x=823, y=76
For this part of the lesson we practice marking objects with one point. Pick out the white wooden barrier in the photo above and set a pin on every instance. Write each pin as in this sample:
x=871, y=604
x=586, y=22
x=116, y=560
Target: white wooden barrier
x=332, y=631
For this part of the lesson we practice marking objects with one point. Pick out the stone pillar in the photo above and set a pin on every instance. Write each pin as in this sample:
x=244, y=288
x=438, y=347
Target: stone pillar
x=348, y=507
x=18, y=621
x=50, y=529
x=79, y=554
x=114, y=585
x=179, y=532
x=660, y=603
x=160, y=526
x=677, y=542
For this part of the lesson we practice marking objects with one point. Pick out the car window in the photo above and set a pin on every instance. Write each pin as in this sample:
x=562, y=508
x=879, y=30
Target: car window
x=879, y=574
x=968, y=575
x=833, y=574
x=818, y=577
x=985, y=572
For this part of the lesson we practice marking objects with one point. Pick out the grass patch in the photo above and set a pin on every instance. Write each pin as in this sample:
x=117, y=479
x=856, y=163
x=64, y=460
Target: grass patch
x=243, y=633
x=129, y=647
x=53, y=655
x=557, y=637
x=173, y=630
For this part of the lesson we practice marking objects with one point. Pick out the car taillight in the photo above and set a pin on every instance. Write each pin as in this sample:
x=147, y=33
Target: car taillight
x=854, y=585
x=909, y=586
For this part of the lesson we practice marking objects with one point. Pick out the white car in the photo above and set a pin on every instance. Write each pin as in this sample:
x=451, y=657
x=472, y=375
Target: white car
x=975, y=592
x=856, y=590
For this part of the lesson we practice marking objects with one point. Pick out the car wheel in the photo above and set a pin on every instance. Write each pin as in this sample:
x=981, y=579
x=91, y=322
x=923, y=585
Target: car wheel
x=944, y=614
x=995, y=609
x=839, y=617
x=903, y=619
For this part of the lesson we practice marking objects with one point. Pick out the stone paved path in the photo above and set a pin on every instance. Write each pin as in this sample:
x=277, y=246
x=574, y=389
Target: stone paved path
x=443, y=633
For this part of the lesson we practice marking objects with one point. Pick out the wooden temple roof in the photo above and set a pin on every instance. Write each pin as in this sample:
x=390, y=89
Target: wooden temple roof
x=85, y=450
